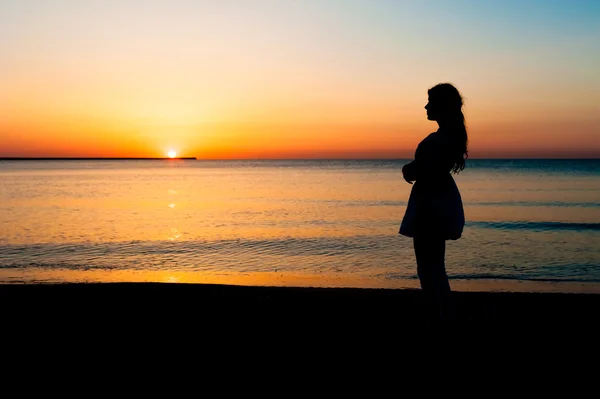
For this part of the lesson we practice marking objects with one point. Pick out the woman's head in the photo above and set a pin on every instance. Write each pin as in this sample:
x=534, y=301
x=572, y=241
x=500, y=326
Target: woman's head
x=445, y=102
x=445, y=106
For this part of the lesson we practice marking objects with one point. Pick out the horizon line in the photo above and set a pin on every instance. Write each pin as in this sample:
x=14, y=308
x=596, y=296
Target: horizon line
x=265, y=159
x=94, y=158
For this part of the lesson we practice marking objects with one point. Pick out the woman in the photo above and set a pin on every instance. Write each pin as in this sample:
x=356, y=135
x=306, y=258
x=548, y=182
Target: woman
x=435, y=212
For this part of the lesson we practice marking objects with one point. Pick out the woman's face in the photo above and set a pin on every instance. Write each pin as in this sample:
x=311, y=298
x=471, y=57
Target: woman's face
x=432, y=109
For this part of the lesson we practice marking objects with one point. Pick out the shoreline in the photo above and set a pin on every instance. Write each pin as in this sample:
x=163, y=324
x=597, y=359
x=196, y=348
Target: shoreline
x=35, y=276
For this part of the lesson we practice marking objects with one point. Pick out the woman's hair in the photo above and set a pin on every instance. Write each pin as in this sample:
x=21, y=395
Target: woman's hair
x=449, y=102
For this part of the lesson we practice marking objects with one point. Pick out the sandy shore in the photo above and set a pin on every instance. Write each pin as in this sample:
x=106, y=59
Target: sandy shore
x=206, y=305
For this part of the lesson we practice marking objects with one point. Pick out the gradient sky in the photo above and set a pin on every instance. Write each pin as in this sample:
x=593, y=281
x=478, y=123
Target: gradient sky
x=299, y=79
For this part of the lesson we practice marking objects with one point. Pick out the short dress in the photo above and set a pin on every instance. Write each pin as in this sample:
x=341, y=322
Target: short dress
x=435, y=207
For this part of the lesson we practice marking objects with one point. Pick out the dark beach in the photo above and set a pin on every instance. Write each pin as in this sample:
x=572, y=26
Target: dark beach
x=207, y=305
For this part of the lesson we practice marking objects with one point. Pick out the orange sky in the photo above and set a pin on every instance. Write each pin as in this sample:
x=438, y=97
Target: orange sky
x=292, y=80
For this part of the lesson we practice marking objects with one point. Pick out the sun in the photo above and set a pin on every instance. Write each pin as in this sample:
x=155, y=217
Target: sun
x=171, y=154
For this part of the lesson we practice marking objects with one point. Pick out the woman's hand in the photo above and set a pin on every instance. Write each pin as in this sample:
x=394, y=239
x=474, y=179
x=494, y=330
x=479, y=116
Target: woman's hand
x=408, y=173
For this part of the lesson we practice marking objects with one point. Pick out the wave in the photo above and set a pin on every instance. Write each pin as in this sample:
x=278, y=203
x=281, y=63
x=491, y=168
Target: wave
x=275, y=246
x=536, y=226
x=558, y=204
x=520, y=277
x=508, y=277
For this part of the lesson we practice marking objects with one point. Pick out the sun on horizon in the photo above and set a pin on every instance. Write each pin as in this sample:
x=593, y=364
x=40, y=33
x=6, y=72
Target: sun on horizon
x=172, y=154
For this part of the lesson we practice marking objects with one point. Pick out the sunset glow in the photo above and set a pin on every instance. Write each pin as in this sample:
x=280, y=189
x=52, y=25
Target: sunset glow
x=287, y=79
x=171, y=154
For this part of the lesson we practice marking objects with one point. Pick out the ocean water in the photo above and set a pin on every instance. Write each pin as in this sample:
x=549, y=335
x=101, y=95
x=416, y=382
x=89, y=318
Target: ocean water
x=304, y=223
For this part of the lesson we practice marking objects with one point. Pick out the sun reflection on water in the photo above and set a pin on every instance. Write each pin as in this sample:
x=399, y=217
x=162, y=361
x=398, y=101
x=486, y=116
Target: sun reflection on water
x=175, y=234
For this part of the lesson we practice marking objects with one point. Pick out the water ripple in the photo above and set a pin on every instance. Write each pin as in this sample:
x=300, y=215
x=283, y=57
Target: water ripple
x=536, y=226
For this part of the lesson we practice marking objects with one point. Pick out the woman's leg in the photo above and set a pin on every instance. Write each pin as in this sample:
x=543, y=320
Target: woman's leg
x=430, y=252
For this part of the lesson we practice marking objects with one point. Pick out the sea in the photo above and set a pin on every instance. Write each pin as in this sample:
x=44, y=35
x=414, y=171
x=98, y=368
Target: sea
x=531, y=224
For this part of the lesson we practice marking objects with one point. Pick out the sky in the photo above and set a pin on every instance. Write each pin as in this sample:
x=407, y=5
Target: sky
x=272, y=79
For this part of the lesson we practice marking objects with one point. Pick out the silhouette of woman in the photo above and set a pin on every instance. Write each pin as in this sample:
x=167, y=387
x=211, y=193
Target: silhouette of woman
x=435, y=212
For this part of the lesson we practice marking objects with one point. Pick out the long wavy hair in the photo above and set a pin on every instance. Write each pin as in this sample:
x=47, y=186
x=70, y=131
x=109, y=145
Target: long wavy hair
x=449, y=103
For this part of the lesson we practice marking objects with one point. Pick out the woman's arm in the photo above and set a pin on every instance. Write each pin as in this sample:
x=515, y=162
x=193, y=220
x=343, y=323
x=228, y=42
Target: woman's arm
x=430, y=159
